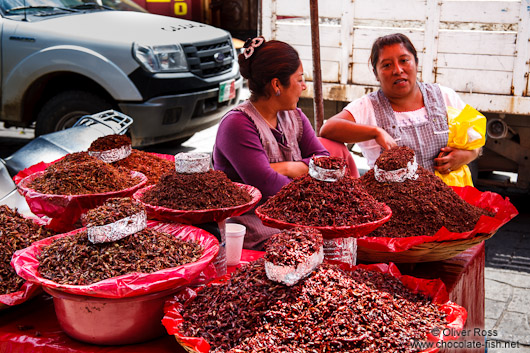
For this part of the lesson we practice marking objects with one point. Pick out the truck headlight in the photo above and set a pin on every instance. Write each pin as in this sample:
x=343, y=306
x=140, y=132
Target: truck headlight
x=160, y=58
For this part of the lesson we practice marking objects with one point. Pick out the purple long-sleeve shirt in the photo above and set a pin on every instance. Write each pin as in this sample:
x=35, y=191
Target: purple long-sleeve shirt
x=239, y=153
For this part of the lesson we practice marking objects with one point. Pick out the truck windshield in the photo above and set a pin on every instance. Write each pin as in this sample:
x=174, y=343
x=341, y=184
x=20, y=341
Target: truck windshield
x=12, y=7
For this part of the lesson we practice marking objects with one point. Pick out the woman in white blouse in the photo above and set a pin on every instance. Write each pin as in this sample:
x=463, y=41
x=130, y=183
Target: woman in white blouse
x=402, y=112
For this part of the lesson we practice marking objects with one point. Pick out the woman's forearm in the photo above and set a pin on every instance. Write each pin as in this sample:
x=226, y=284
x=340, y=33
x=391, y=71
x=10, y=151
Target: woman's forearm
x=290, y=169
x=474, y=154
x=342, y=128
x=347, y=131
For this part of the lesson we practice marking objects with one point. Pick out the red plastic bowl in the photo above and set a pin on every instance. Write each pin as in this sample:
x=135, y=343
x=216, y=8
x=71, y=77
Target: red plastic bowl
x=105, y=321
x=26, y=264
x=198, y=216
x=65, y=210
x=329, y=232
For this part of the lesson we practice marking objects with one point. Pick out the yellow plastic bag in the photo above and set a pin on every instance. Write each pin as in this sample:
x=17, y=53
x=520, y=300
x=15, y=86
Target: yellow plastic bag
x=467, y=131
x=467, y=128
x=459, y=177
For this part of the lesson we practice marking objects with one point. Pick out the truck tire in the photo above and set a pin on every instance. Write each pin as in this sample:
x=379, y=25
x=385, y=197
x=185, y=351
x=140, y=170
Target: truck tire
x=64, y=109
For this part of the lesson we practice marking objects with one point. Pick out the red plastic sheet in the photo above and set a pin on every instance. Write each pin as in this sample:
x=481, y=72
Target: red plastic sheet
x=456, y=315
x=27, y=291
x=64, y=223
x=129, y=285
x=34, y=328
x=33, y=169
x=65, y=210
x=503, y=209
x=358, y=230
x=198, y=216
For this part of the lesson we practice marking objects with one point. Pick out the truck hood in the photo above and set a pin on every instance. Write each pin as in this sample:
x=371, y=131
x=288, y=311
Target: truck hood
x=127, y=27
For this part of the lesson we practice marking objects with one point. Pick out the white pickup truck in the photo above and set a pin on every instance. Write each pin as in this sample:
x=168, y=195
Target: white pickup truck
x=62, y=59
x=480, y=48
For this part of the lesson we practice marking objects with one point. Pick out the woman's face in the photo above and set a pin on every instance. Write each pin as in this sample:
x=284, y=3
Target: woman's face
x=396, y=71
x=290, y=95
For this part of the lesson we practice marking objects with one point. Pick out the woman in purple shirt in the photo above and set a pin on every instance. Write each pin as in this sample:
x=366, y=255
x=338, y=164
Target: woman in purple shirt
x=266, y=141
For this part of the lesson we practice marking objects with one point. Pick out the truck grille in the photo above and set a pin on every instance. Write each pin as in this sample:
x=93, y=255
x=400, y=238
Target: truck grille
x=210, y=58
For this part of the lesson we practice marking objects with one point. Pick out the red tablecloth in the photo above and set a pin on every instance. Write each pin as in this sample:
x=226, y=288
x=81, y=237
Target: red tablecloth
x=33, y=327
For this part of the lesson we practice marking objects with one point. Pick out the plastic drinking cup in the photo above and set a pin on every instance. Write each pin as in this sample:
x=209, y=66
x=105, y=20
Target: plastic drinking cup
x=235, y=234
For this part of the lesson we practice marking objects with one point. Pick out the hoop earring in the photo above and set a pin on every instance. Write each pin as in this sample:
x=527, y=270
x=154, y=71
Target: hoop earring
x=277, y=93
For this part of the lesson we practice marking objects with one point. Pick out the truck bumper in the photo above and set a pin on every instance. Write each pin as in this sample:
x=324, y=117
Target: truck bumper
x=173, y=117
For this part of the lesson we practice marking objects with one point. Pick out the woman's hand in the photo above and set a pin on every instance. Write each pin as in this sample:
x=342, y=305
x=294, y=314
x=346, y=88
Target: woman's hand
x=290, y=169
x=384, y=139
x=453, y=158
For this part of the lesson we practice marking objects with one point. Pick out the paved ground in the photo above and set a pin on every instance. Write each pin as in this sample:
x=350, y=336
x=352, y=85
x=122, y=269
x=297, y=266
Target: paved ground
x=508, y=281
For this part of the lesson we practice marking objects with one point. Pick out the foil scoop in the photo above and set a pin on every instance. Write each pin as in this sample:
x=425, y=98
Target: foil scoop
x=192, y=162
x=119, y=229
x=323, y=174
x=398, y=175
x=112, y=155
x=290, y=275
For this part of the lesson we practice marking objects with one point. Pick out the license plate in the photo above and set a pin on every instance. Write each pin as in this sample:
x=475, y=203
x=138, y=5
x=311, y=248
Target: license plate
x=227, y=90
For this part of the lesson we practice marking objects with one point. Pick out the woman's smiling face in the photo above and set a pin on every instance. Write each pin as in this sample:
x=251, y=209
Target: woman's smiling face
x=396, y=71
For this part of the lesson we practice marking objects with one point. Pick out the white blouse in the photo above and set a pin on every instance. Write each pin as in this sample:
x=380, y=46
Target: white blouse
x=363, y=112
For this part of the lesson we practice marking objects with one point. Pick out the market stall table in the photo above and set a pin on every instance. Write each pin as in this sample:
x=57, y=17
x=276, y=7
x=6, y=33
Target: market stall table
x=33, y=327
x=463, y=276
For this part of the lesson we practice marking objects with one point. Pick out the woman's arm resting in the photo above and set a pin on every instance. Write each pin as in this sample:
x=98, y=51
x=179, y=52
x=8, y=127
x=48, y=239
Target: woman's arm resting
x=343, y=128
x=290, y=169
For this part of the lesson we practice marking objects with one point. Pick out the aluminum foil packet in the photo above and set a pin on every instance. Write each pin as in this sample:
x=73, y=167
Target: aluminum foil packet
x=341, y=249
x=112, y=155
x=290, y=275
x=192, y=162
x=398, y=175
x=119, y=229
x=322, y=174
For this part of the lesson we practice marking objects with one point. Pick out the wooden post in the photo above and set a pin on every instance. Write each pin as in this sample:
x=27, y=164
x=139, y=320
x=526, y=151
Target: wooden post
x=317, y=76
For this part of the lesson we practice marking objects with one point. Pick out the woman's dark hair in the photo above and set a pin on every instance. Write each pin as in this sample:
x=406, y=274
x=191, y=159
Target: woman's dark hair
x=272, y=59
x=381, y=42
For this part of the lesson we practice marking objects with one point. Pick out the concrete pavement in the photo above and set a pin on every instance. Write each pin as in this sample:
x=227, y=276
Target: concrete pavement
x=507, y=309
x=507, y=279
